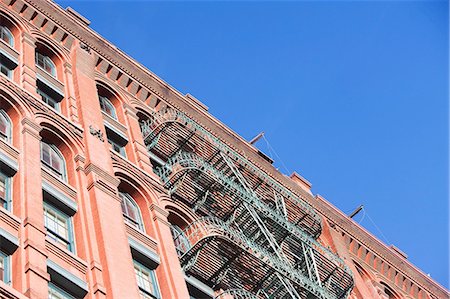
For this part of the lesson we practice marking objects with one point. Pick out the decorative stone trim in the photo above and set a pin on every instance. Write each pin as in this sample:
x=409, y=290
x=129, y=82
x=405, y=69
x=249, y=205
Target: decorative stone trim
x=74, y=284
x=7, y=292
x=8, y=158
x=380, y=250
x=137, y=173
x=143, y=254
x=62, y=186
x=12, y=222
x=146, y=240
x=66, y=257
x=59, y=199
x=96, y=133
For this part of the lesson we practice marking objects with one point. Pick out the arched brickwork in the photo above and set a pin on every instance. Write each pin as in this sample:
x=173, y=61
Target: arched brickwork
x=67, y=142
x=140, y=192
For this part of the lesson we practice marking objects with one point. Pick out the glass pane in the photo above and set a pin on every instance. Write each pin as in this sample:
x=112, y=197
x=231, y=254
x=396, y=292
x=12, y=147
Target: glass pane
x=6, y=36
x=56, y=161
x=5, y=71
x=131, y=211
x=56, y=293
x=39, y=59
x=2, y=187
x=46, y=153
x=2, y=268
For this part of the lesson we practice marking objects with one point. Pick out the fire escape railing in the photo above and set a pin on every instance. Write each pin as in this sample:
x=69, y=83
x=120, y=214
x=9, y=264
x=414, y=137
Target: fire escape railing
x=259, y=238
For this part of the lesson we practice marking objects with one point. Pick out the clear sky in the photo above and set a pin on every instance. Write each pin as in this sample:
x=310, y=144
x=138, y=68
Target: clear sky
x=352, y=95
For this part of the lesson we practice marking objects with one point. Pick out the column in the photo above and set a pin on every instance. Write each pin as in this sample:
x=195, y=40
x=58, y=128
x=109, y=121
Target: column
x=108, y=231
x=170, y=275
x=32, y=234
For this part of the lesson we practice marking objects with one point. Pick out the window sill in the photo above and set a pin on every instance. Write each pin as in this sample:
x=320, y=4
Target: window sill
x=58, y=183
x=140, y=236
x=8, y=291
x=9, y=52
x=9, y=155
x=64, y=257
x=115, y=125
x=49, y=80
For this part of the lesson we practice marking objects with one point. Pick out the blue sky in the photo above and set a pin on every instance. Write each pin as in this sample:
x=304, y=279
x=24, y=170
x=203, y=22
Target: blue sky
x=352, y=95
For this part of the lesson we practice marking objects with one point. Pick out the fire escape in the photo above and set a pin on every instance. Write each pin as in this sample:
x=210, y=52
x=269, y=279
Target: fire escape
x=254, y=238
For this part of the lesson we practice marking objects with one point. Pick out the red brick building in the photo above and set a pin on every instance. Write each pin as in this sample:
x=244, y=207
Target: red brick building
x=115, y=185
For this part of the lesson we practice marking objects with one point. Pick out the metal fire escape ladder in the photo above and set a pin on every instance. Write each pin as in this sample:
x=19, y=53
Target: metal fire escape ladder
x=275, y=233
x=269, y=237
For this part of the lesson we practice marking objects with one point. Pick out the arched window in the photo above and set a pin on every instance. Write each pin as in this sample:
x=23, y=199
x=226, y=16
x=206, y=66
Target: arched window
x=107, y=106
x=388, y=291
x=5, y=127
x=6, y=36
x=53, y=160
x=131, y=212
x=181, y=241
x=46, y=63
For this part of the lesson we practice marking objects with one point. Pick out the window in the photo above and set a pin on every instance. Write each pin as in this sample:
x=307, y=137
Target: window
x=118, y=148
x=5, y=191
x=5, y=70
x=46, y=63
x=53, y=160
x=6, y=36
x=48, y=100
x=4, y=267
x=146, y=280
x=59, y=226
x=55, y=292
x=107, y=106
x=179, y=238
x=5, y=127
x=130, y=211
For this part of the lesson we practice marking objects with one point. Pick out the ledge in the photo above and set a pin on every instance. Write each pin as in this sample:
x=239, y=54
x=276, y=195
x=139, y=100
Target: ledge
x=10, y=53
x=10, y=220
x=123, y=139
x=6, y=291
x=59, y=199
x=67, y=257
x=141, y=237
x=143, y=254
x=51, y=82
x=8, y=164
x=197, y=284
x=8, y=242
x=59, y=184
x=76, y=286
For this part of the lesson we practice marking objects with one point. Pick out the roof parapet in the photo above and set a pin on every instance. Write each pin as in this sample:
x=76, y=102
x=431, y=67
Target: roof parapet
x=398, y=251
x=78, y=16
x=301, y=181
x=196, y=102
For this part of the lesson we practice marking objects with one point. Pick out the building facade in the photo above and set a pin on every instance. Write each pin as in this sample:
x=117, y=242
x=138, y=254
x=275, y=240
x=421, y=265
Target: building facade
x=115, y=185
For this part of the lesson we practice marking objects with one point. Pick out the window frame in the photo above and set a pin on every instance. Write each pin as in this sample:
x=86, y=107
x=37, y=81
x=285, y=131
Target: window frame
x=5, y=30
x=7, y=205
x=45, y=98
x=8, y=137
x=139, y=224
x=176, y=229
x=6, y=267
x=116, y=147
x=47, y=62
x=153, y=280
x=70, y=241
x=105, y=101
x=59, y=291
x=60, y=175
x=9, y=71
